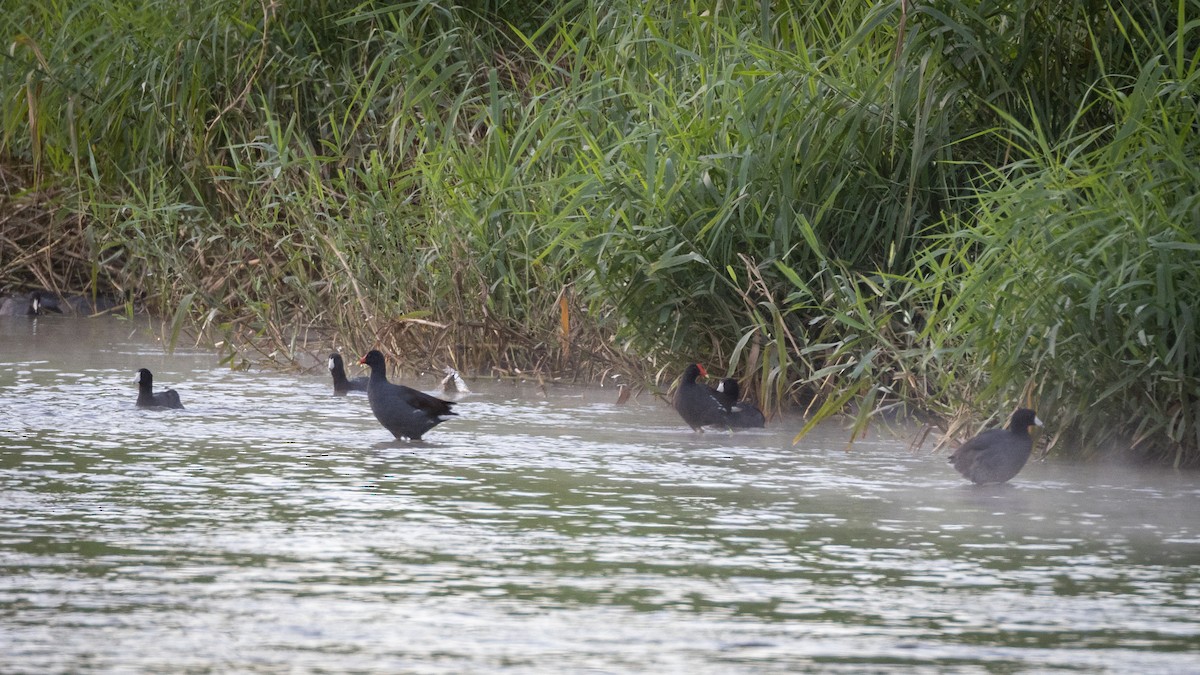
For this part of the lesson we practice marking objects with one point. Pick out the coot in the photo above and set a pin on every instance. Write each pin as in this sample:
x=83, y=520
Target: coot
x=996, y=455
x=742, y=414
x=146, y=396
x=698, y=404
x=405, y=412
x=89, y=305
x=341, y=385
x=30, y=304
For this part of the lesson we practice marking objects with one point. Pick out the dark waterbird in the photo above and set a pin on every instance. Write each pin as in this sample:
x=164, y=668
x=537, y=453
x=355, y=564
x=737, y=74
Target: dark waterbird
x=91, y=305
x=146, y=396
x=742, y=414
x=341, y=385
x=35, y=303
x=996, y=455
x=699, y=404
x=405, y=412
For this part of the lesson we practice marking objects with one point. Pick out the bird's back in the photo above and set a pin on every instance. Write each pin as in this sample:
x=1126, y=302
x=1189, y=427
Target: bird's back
x=162, y=399
x=994, y=456
x=746, y=415
x=170, y=399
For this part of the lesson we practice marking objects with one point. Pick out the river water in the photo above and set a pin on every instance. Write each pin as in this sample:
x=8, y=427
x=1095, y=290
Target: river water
x=272, y=527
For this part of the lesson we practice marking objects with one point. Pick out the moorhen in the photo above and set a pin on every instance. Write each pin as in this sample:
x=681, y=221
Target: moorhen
x=405, y=412
x=146, y=396
x=996, y=455
x=341, y=385
x=698, y=404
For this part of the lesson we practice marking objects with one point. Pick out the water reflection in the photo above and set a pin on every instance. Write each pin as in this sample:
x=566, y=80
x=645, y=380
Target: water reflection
x=273, y=526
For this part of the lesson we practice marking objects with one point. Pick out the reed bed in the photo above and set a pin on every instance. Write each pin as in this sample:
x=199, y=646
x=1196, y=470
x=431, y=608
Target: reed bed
x=928, y=208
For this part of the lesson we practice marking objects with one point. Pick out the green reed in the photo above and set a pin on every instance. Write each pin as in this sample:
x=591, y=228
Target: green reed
x=854, y=207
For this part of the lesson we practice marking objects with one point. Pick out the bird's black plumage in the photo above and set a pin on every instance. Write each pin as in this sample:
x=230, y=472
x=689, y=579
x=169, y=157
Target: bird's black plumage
x=405, y=412
x=147, y=398
x=742, y=414
x=996, y=455
x=341, y=385
x=89, y=305
x=698, y=404
x=35, y=303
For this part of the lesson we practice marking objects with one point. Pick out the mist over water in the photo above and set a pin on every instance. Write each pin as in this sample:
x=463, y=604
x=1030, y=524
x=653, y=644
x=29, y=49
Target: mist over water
x=271, y=526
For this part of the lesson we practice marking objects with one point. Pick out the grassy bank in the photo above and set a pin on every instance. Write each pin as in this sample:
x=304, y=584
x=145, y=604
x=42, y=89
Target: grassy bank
x=852, y=207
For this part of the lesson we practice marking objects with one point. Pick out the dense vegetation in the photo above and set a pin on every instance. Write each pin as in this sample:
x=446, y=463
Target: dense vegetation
x=948, y=206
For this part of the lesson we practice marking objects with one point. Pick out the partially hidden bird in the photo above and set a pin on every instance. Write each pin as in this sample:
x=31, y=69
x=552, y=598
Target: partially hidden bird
x=742, y=414
x=341, y=384
x=35, y=303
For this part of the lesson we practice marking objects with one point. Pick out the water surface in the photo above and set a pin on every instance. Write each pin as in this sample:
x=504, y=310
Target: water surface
x=273, y=527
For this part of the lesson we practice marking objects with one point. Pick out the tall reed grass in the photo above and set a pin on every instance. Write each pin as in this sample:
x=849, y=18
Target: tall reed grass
x=942, y=206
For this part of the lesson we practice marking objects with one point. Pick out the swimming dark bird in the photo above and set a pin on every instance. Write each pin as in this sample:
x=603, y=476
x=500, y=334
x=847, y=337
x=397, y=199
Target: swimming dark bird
x=996, y=455
x=146, y=396
x=35, y=303
x=742, y=414
x=699, y=404
x=341, y=385
x=89, y=305
x=405, y=412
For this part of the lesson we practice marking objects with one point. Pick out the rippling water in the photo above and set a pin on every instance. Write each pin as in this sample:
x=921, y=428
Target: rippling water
x=272, y=527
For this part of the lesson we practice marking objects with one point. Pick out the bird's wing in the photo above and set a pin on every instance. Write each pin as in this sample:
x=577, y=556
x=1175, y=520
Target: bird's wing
x=422, y=401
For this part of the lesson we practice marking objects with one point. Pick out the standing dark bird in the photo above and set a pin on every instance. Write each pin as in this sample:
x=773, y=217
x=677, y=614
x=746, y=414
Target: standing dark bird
x=405, y=412
x=146, y=396
x=742, y=414
x=35, y=303
x=341, y=385
x=996, y=455
x=698, y=404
